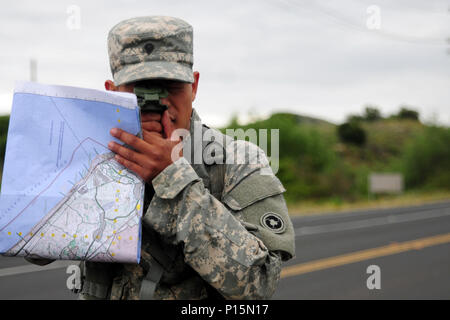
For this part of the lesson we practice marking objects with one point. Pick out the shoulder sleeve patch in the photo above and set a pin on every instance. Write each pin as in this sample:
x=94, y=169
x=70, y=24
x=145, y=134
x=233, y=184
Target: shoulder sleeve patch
x=259, y=202
x=273, y=221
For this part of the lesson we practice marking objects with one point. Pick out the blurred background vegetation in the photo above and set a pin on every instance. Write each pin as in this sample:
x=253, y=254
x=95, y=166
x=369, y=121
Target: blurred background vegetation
x=326, y=163
x=4, y=121
x=321, y=162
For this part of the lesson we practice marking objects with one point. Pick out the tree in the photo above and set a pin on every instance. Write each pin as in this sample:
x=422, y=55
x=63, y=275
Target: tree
x=352, y=132
x=355, y=118
x=406, y=113
x=372, y=114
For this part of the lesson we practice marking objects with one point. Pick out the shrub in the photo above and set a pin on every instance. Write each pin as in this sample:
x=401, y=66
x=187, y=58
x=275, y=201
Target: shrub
x=405, y=113
x=372, y=114
x=352, y=132
x=426, y=160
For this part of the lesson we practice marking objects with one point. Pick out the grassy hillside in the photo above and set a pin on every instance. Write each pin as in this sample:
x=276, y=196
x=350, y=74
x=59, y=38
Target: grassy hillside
x=4, y=121
x=316, y=165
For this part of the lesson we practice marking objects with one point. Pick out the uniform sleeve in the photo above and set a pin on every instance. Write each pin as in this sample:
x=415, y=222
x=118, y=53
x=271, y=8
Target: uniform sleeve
x=216, y=244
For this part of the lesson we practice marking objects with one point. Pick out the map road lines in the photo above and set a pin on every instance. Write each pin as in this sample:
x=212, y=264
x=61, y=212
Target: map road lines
x=63, y=194
x=71, y=230
x=51, y=183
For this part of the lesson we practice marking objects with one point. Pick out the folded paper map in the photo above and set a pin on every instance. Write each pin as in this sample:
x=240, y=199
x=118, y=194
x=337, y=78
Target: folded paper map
x=63, y=196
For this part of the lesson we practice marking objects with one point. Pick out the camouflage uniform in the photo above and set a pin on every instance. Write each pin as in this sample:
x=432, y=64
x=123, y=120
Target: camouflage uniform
x=221, y=242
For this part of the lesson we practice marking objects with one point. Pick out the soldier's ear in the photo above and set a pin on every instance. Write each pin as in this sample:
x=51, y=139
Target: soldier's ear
x=195, y=84
x=110, y=86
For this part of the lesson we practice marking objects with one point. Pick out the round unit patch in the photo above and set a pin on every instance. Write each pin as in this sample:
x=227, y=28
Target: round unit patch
x=273, y=222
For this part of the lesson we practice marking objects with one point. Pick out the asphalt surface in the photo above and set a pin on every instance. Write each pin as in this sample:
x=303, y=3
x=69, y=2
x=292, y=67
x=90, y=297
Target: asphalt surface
x=413, y=274
x=419, y=273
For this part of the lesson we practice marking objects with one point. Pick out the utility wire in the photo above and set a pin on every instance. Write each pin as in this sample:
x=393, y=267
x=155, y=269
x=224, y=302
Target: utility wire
x=345, y=23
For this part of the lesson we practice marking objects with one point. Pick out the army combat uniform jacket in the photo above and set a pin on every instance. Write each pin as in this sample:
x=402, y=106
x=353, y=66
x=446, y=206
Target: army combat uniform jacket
x=228, y=245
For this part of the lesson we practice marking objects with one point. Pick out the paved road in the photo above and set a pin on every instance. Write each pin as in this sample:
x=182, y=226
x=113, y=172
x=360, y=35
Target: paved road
x=411, y=246
x=419, y=270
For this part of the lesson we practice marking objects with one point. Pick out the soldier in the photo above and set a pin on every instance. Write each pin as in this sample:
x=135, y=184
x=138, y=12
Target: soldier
x=210, y=230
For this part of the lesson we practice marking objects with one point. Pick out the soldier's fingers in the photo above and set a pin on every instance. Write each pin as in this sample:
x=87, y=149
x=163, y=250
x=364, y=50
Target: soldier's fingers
x=152, y=138
x=128, y=153
x=150, y=116
x=140, y=171
x=130, y=139
x=152, y=126
x=167, y=124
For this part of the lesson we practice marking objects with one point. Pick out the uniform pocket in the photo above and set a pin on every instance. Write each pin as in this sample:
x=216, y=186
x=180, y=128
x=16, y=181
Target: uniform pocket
x=252, y=189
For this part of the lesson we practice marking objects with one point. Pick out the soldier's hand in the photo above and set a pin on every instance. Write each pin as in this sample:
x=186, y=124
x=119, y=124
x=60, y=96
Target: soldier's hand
x=151, y=155
x=151, y=121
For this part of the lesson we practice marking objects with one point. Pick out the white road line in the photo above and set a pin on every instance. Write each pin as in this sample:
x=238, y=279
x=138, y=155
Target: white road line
x=34, y=268
x=372, y=222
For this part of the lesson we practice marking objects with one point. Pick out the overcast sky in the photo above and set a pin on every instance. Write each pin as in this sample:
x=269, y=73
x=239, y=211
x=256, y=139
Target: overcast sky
x=325, y=59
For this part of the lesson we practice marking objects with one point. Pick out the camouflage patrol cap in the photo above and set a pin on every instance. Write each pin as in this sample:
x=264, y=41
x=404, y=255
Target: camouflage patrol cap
x=153, y=47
